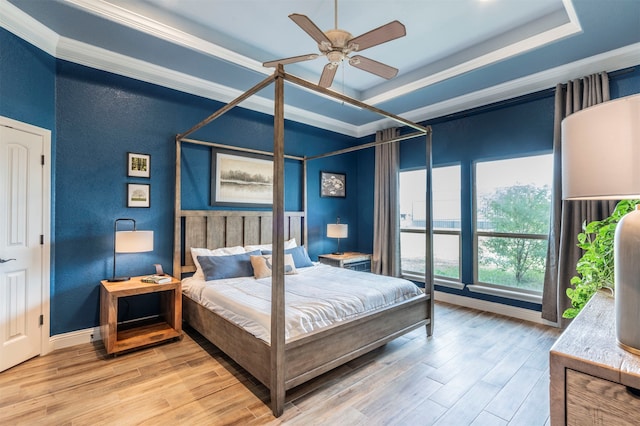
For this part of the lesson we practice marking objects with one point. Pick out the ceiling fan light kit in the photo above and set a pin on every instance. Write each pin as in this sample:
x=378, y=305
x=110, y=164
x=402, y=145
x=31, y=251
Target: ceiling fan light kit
x=337, y=44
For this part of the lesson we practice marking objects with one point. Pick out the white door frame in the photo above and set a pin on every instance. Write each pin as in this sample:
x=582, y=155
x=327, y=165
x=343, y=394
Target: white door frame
x=45, y=346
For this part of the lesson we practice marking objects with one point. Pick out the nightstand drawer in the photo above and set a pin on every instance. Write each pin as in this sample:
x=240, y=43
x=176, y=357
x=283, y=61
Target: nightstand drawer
x=350, y=260
x=592, y=400
x=363, y=265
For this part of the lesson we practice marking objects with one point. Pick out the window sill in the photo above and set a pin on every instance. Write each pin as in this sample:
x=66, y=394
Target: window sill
x=509, y=294
x=438, y=281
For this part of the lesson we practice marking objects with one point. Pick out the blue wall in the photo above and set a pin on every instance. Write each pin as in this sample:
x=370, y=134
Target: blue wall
x=27, y=82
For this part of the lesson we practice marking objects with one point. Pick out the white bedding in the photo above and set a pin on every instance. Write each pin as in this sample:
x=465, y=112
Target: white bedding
x=315, y=297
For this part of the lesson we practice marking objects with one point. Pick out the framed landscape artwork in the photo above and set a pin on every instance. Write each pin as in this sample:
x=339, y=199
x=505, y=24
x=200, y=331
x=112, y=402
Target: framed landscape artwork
x=333, y=184
x=138, y=195
x=243, y=180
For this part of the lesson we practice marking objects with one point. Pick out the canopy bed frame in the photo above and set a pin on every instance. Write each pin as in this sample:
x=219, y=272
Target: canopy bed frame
x=281, y=365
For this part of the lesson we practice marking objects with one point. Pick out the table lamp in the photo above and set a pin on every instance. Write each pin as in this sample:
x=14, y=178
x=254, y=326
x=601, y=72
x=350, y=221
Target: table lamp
x=133, y=241
x=337, y=230
x=600, y=161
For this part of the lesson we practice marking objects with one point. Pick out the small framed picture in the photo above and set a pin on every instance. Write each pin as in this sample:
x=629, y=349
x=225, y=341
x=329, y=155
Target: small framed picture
x=139, y=165
x=138, y=195
x=333, y=184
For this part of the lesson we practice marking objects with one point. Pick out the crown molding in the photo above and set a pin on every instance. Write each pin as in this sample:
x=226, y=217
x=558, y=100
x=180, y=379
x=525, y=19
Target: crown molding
x=613, y=60
x=165, y=32
x=24, y=26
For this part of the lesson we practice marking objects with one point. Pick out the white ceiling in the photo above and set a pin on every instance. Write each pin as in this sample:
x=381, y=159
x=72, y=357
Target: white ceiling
x=457, y=54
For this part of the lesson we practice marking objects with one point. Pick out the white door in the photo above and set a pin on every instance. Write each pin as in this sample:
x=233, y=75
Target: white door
x=21, y=227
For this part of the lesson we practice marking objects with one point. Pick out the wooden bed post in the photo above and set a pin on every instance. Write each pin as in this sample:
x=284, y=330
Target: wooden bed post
x=177, y=235
x=305, y=197
x=428, y=270
x=277, y=387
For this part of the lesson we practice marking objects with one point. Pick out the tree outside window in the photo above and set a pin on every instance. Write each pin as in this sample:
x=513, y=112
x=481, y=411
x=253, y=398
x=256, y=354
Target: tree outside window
x=512, y=221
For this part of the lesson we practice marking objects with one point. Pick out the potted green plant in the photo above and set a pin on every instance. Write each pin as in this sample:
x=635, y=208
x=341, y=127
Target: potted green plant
x=595, y=267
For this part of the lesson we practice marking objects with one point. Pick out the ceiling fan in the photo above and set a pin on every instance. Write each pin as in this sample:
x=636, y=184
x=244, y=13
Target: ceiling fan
x=337, y=45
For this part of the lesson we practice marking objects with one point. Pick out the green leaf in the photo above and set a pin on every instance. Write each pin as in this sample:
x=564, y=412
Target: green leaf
x=595, y=267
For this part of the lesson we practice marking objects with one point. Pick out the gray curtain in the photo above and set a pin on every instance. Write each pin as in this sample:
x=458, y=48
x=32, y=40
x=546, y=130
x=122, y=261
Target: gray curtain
x=386, y=216
x=567, y=217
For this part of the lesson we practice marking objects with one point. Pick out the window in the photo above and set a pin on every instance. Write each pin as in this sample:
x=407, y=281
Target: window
x=512, y=208
x=446, y=222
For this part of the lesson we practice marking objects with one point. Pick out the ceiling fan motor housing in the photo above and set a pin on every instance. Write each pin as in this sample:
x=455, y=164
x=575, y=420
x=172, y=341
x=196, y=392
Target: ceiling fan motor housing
x=339, y=48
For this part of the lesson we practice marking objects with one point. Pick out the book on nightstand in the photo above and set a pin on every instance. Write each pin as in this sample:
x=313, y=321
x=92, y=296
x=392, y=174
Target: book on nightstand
x=157, y=279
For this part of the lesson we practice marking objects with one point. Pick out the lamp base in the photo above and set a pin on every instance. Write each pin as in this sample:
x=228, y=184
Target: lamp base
x=627, y=281
x=628, y=348
x=338, y=253
x=118, y=279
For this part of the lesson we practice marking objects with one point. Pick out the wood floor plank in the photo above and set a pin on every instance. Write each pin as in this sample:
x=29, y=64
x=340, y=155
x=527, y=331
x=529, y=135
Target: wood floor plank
x=488, y=419
x=423, y=413
x=535, y=408
x=507, y=366
x=467, y=409
x=406, y=390
x=474, y=367
x=514, y=392
x=455, y=389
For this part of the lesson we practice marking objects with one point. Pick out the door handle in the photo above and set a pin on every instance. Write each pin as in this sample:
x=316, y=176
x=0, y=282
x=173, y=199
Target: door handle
x=5, y=260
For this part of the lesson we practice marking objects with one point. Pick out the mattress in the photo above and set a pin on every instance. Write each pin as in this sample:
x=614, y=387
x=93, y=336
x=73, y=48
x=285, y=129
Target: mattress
x=315, y=297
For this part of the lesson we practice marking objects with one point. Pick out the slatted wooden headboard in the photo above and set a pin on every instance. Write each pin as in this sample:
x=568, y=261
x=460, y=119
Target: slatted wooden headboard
x=226, y=228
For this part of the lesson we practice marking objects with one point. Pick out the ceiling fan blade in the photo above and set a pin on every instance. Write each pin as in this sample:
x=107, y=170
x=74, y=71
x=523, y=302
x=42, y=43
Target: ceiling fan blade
x=383, y=34
x=310, y=28
x=374, y=67
x=290, y=60
x=328, y=73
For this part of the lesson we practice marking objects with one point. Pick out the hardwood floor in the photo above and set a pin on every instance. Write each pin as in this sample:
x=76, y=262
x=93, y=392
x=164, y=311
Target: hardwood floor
x=476, y=369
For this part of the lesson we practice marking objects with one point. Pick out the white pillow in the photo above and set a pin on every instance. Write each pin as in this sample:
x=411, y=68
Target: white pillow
x=262, y=265
x=223, y=251
x=287, y=245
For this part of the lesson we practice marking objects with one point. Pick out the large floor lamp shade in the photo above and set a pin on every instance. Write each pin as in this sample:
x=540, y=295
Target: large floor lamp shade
x=601, y=160
x=132, y=241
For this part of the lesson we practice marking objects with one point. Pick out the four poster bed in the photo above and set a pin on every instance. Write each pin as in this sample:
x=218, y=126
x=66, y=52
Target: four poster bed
x=279, y=356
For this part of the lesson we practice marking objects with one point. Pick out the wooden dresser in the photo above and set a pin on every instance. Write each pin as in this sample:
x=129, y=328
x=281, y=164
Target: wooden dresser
x=593, y=380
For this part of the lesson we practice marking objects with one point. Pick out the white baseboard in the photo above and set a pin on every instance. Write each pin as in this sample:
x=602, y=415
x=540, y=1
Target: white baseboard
x=78, y=337
x=496, y=308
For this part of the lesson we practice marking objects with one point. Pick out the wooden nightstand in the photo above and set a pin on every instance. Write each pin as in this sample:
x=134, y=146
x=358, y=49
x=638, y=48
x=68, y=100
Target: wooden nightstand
x=593, y=380
x=348, y=260
x=142, y=333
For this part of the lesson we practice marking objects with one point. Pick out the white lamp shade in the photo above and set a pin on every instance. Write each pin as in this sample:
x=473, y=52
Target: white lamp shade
x=337, y=230
x=134, y=241
x=601, y=151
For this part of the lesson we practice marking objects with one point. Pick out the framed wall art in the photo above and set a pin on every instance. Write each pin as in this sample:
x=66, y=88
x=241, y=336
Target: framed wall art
x=138, y=195
x=241, y=179
x=138, y=165
x=333, y=184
